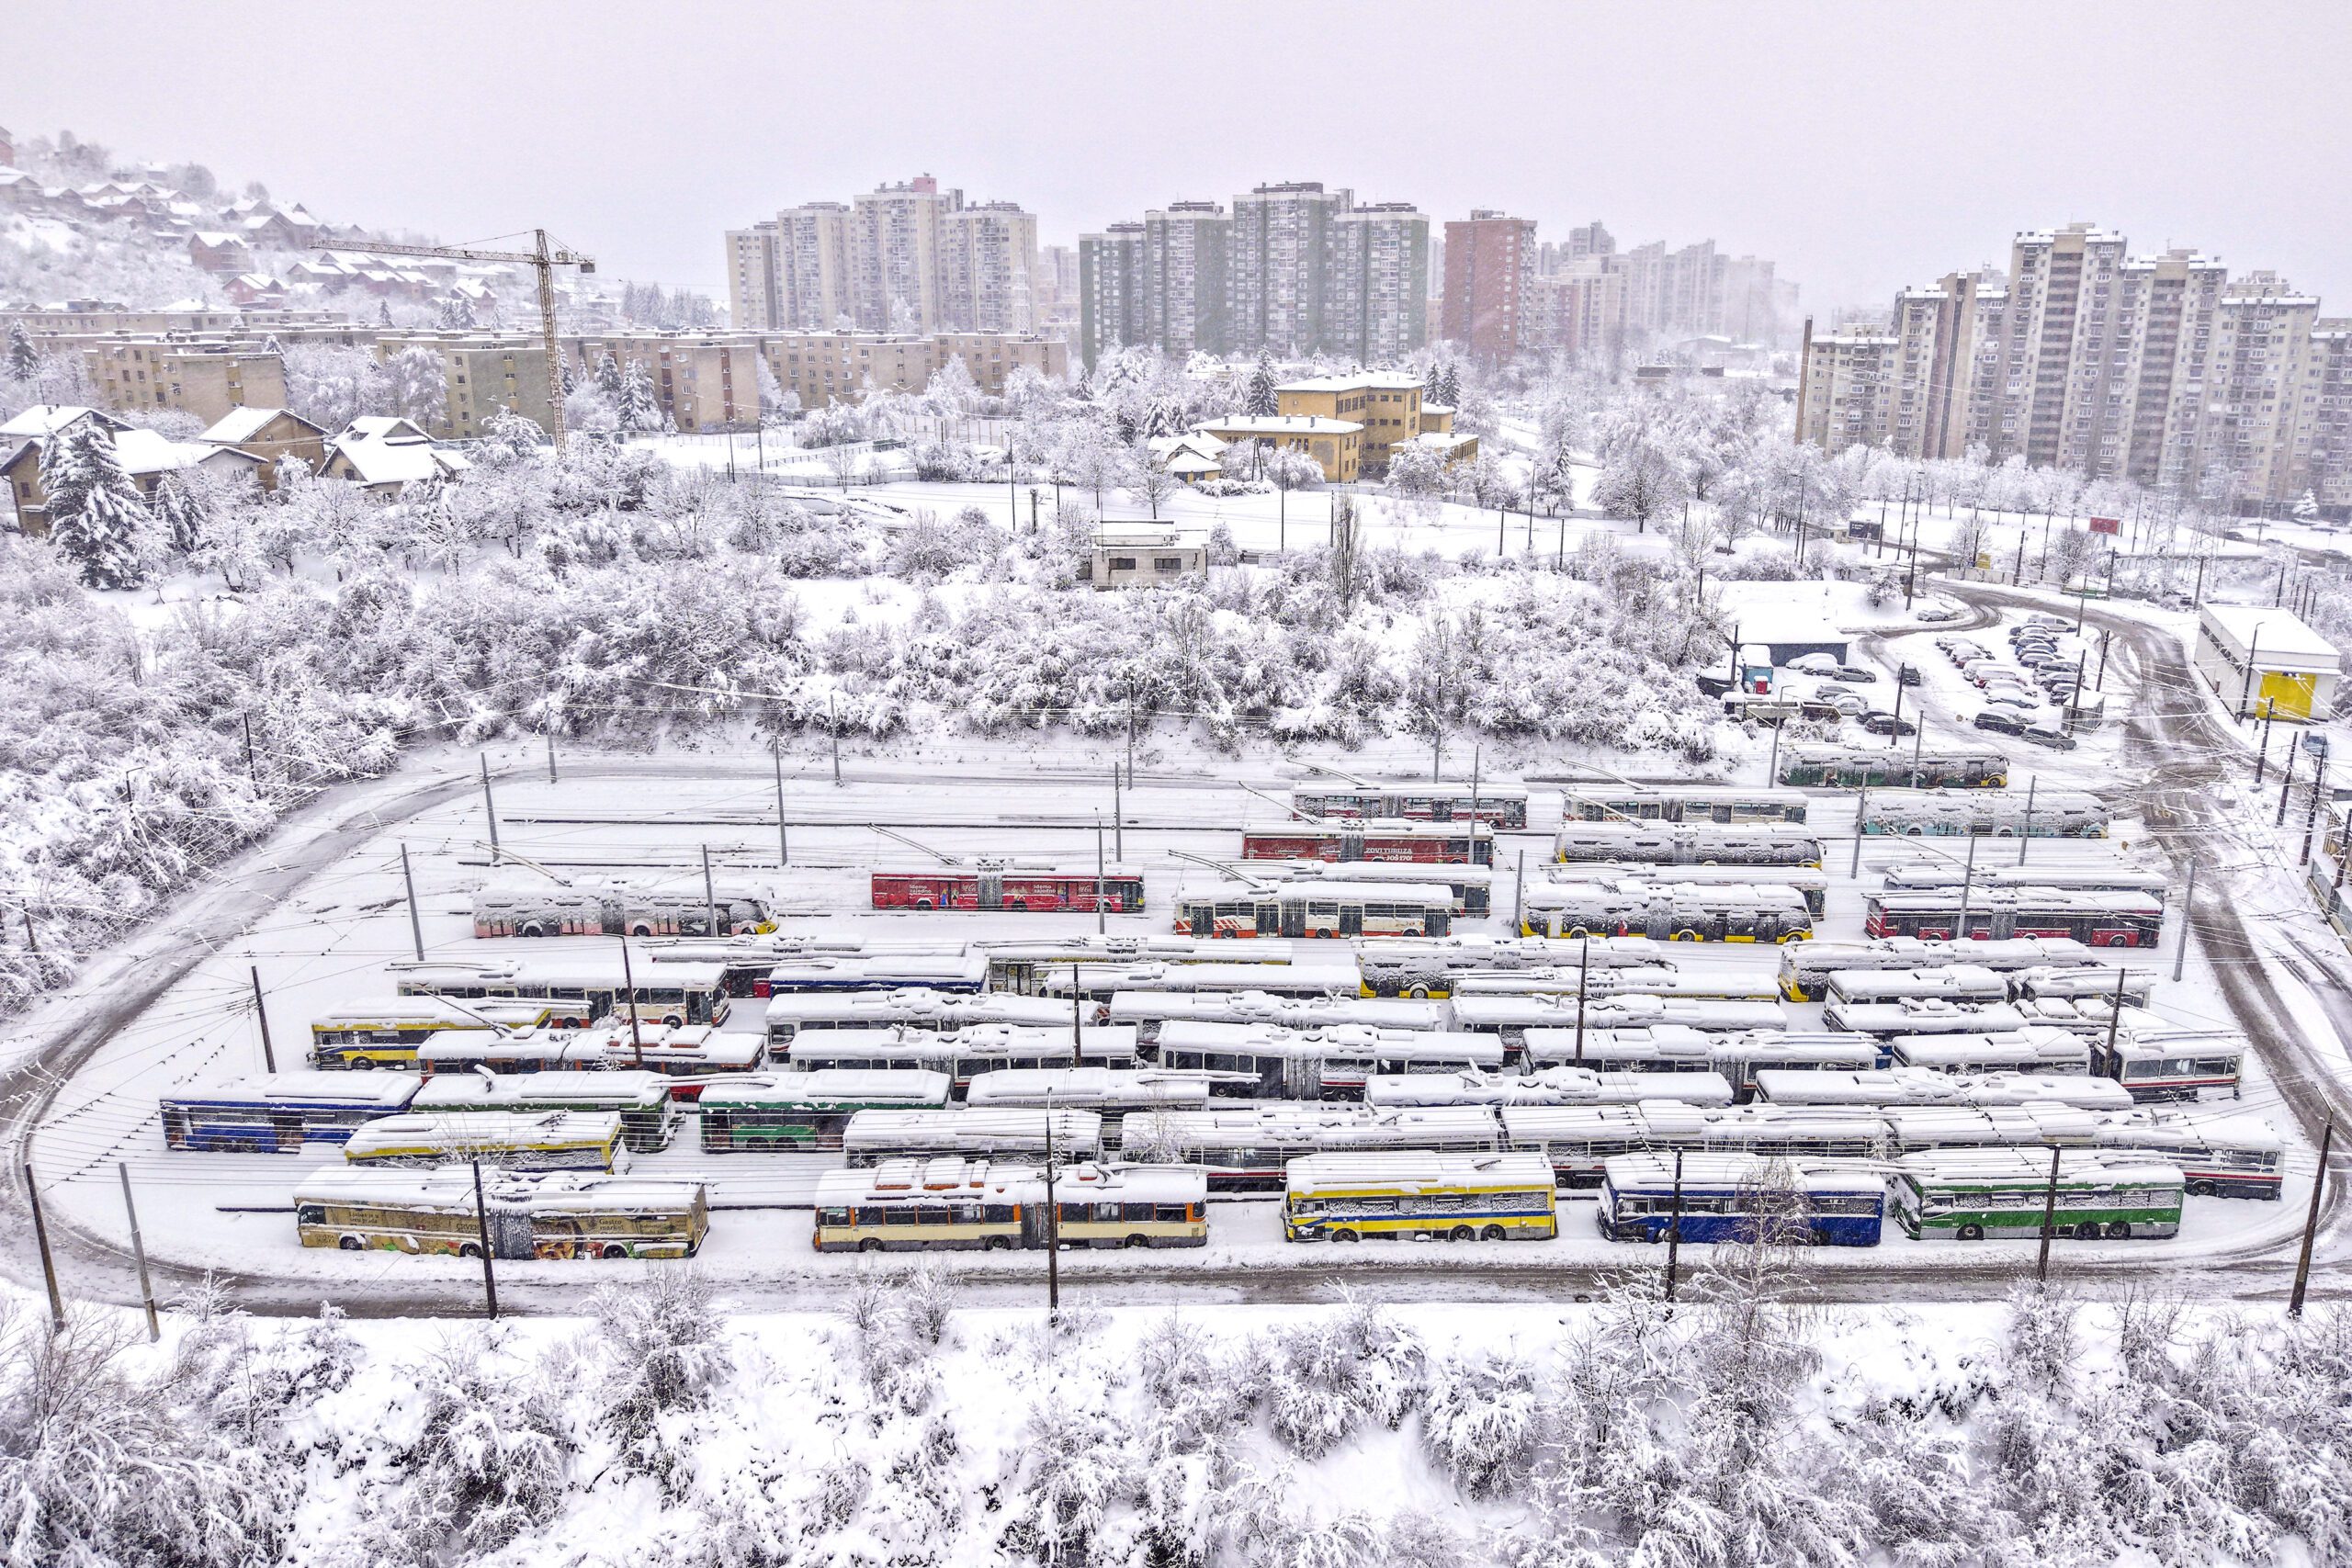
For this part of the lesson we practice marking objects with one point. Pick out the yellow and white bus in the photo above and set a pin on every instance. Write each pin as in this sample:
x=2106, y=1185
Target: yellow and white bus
x=520, y=1141
x=572, y=1214
x=908, y=1205
x=1462, y=1197
x=385, y=1033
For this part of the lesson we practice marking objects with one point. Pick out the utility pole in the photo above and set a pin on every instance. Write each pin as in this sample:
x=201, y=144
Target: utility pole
x=2311, y=1224
x=783, y=840
x=1099, y=926
x=1053, y=1229
x=833, y=725
x=482, y=1233
x=1967, y=886
x=709, y=895
x=1772, y=763
x=2262, y=748
x=2286, y=782
x=1674, y=1230
x=2026, y=837
x=47, y=1263
x=1077, y=1019
x=2048, y=1217
x=138, y=1253
x=2115, y=1015
x=1584, y=972
x=261, y=1015
x=550, y=756
x=415, y=926
x=1519, y=897
x=252, y=769
x=1861, y=815
x=1118, y=817
x=629, y=984
x=1476, y=752
x=2311, y=814
x=489, y=808
x=2187, y=916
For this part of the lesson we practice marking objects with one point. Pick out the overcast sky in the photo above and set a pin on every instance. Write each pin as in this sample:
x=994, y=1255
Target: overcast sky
x=1861, y=147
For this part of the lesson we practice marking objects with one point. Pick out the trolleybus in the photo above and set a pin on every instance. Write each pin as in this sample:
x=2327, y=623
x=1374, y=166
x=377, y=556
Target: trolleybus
x=614, y=910
x=1500, y=805
x=1247, y=1147
x=283, y=1112
x=1548, y=1086
x=964, y=1054
x=535, y=1141
x=872, y=1136
x=1373, y=839
x=1512, y=1017
x=1978, y=1193
x=1011, y=889
x=834, y=973
x=2097, y=920
x=641, y=1100
x=1716, y=1197
x=1335, y=975
x=1472, y=887
x=947, y=1204
x=2154, y=1064
x=1735, y=912
x=1999, y=814
x=1805, y=967
x=1385, y=1196
x=1021, y=967
x=1257, y=1061
x=571, y=1214
x=1849, y=767
x=1755, y=843
x=798, y=1111
x=584, y=986
x=1150, y=1011
x=791, y=1017
x=1613, y=802
x=1320, y=907
x=2037, y=1048
x=1428, y=966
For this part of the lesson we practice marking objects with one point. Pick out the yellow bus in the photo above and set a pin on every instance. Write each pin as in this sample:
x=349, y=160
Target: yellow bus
x=915, y=1205
x=572, y=1214
x=1462, y=1197
x=386, y=1034
x=520, y=1141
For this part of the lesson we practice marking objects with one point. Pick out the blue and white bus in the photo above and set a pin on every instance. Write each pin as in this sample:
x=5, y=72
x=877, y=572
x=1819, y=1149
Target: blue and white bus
x=1735, y=1198
x=282, y=1113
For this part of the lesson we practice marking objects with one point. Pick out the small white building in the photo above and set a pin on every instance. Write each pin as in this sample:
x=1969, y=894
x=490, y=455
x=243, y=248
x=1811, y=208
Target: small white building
x=1144, y=555
x=2263, y=660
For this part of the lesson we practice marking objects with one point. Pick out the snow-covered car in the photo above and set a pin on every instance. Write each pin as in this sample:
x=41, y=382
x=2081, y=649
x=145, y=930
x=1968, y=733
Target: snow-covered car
x=1999, y=723
x=1814, y=664
x=1848, y=703
x=1936, y=614
x=2012, y=697
x=2046, y=735
x=1855, y=672
x=1882, y=723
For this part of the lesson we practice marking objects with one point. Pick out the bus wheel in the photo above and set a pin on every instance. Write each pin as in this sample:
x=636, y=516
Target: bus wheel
x=1970, y=1233
x=871, y=1244
x=674, y=1020
x=922, y=903
x=363, y=1063
x=2202, y=1189
x=614, y=1249
x=2117, y=1229
x=1462, y=1233
x=1492, y=1233
x=1420, y=993
x=1323, y=935
x=641, y=930
x=1136, y=1241
x=469, y=1249
x=1685, y=936
x=350, y=1244
x=1345, y=1236
x=532, y=928
x=995, y=1242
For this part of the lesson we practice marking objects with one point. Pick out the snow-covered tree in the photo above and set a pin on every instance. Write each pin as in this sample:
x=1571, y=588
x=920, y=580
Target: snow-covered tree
x=1415, y=470
x=96, y=518
x=1639, y=480
x=610, y=380
x=1260, y=402
x=419, y=387
x=1448, y=387
x=24, y=360
x=1149, y=480
x=177, y=515
x=640, y=410
x=455, y=315
x=778, y=406
x=952, y=394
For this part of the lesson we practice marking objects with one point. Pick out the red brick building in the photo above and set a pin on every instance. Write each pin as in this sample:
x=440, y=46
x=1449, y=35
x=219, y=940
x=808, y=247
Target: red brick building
x=1489, y=268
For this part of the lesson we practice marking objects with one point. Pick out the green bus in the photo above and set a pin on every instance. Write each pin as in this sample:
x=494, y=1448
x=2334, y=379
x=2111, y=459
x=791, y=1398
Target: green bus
x=1971, y=1194
x=789, y=1112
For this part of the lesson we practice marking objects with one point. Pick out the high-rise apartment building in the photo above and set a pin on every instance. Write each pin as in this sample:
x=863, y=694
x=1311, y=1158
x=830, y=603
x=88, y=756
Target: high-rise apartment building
x=988, y=268
x=895, y=277
x=1281, y=240
x=752, y=300
x=1376, y=284
x=913, y=255
x=1187, y=279
x=1114, y=308
x=1489, y=277
x=812, y=266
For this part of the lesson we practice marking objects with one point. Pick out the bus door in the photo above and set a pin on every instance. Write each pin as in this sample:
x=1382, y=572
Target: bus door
x=1294, y=918
x=991, y=885
x=1032, y=1225
x=510, y=1231
x=1437, y=922
x=1351, y=841
x=1269, y=918
x=1350, y=919
x=286, y=1126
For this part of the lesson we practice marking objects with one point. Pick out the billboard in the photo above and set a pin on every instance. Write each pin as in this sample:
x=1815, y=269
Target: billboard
x=2107, y=525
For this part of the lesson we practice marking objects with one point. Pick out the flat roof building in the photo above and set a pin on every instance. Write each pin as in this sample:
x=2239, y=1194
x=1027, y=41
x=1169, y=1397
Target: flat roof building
x=2263, y=661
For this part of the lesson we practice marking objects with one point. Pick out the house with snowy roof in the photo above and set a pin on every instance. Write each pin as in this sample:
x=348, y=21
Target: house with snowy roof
x=215, y=250
x=270, y=434
x=254, y=289
x=381, y=454
x=145, y=455
x=1190, y=457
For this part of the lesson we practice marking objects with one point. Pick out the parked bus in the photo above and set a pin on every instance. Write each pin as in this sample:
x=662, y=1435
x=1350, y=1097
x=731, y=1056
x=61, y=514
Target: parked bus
x=2097, y=920
x=1716, y=1197
x=904, y=1205
x=641, y=1100
x=1910, y=1086
x=1390, y=840
x=1810, y=882
x=1335, y=975
x=744, y=961
x=1852, y=767
x=1921, y=875
x=1256, y=1061
x=537, y=1141
x=2154, y=1064
x=795, y=1113
x=1412, y=1195
x=964, y=1054
x=1734, y=912
x=828, y=973
x=1512, y=1017
x=1999, y=813
x=1613, y=802
x=1655, y=980
x=1472, y=887
x=2223, y=1156
x=281, y=1114
x=687, y=1055
x=790, y=1017
x=617, y=909
x=1322, y=906
x=1011, y=889
x=1150, y=1011
x=1744, y=1058
x=1805, y=967
x=1548, y=1085
x=1922, y=1015
x=1979, y=1193
x=2034, y=1049
x=1498, y=805
x=1755, y=843
x=584, y=986
x=1246, y=1148
x=387, y=1033
x=1112, y=1093
x=1028, y=1136
x=1428, y=967
x=566, y=1215
x=2072, y=981
x=1638, y=1049
x=1952, y=982
x=1021, y=967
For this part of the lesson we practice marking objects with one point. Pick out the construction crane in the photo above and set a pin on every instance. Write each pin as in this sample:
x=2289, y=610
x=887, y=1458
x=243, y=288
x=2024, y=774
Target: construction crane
x=545, y=257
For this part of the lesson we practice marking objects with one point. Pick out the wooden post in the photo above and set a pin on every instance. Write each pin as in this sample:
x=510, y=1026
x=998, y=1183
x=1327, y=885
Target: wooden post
x=138, y=1253
x=709, y=895
x=1673, y=1229
x=47, y=1263
x=2048, y=1217
x=2311, y=1224
x=2188, y=915
x=415, y=926
x=550, y=756
x=1076, y=1019
x=783, y=844
x=1053, y=1228
x=481, y=1230
x=261, y=1014
x=1862, y=811
x=1519, y=898
x=1584, y=971
x=490, y=809
x=2026, y=837
x=628, y=1002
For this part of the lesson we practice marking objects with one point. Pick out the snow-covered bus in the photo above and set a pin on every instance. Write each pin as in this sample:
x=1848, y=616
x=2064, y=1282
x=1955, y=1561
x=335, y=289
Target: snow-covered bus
x=619, y=909
x=1743, y=1058
x=1548, y=1085
x=1011, y=889
x=1974, y=1194
x=1498, y=805
x=1921, y=1015
x=1805, y=967
x=958, y=972
x=964, y=1054
x=1613, y=802
x=1810, y=881
x=569, y=1214
x=1389, y=1194
x=1762, y=911
x=1754, y=843
x=795, y=1113
x=1149, y=1012
x=1853, y=767
x=641, y=1100
x=1512, y=1018
x=1248, y=1148
x=917, y=1007
x=2071, y=981
x=1720, y=983
x=2097, y=920
x=1022, y=967
x=1472, y=887
x=1323, y=976
x=1257, y=1061
x=1952, y=982
x=2033, y=1049
x=1999, y=814
x=1318, y=906
x=1025, y=1136
x=1428, y=967
x=1112, y=1093
x=281, y=1114
x=387, y=1033
x=1911, y=1086
x=1391, y=840
x=2160, y=1063
x=1911, y=876
x=1738, y=1198
x=584, y=986
x=685, y=1056
x=907, y=1205
x=525, y=1141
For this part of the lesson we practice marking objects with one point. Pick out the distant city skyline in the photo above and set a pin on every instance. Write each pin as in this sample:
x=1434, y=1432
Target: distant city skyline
x=1863, y=150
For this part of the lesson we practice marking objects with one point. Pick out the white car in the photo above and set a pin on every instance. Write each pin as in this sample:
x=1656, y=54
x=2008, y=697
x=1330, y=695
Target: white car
x=2012, y=697
x=1814, y=664
x=1847, y=702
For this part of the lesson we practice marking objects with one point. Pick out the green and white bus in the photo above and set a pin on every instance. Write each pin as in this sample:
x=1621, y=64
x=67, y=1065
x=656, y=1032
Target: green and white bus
x=1971, y=1194
x=791, y=1111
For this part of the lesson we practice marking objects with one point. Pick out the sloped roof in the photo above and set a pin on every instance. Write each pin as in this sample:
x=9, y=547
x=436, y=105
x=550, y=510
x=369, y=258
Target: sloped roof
x=48, y=419
x=242, y=425
x=382, y=450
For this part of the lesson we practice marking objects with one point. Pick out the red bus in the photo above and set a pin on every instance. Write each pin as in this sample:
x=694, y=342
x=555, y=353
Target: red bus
x=1427, y=844
x=991, y=887
x=2095, y=919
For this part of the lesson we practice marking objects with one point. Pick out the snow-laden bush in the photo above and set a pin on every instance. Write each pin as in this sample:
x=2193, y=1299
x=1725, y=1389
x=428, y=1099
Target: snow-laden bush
x=1481, y=1420
x=662, y=1343
x=1321, y=1382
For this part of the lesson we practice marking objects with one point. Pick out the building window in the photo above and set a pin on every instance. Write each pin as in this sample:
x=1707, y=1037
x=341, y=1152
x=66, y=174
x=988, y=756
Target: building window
x=1167, y=563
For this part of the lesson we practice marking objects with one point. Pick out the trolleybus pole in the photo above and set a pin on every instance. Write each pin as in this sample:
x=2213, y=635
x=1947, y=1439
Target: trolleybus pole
x=1673, y=1229
x=47, y=1263
x=138, y=1253
x=2188, y=915
x=2311, y=1224
x=2049, y=1214
x=415, y=926
x=261, y=1016
x=490, y=809
x=481, y=1231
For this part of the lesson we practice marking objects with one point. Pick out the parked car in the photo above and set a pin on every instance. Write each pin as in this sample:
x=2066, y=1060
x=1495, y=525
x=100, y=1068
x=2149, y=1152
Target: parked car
x=1999, y=723
x=1908, y=675
x=1855, y=672
x=1849, y=704
x=2012, y=697
x=2047, y=735
x=1936, y=614
x=1715, y=685
x=1880, y=722
x=1814, y=664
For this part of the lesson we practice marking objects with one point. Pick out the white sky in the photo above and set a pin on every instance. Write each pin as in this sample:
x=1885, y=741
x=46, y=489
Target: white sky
x=1862, y=147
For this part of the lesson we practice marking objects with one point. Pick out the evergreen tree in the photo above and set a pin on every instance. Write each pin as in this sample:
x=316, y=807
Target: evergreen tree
x=383, y=312
x=608, y=378
x=640, y=410
x=1430, y=384
x=1260, y=402
x=24, y=360
x=179, y=513
x=564, y=376
x=271, y=345
x=96, y=517
x=1449, y=389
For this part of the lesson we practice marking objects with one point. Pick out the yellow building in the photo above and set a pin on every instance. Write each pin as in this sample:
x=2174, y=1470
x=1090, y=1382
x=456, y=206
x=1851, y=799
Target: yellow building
x=1386, y=404
x=1336, y=444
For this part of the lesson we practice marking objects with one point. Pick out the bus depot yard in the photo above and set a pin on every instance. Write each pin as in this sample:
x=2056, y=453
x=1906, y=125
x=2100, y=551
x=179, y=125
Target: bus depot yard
x=1920, y=996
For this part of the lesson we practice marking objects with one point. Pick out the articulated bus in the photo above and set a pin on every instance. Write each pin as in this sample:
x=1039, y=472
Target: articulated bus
x=1411, y=1194
x=1811, y=882
x=907, y=1206
x=1472, y=887
x=792, y=1016
x=584, y=987
x=1973, y=1194
x=1712, y=1198
x=1614, y=802
x=1389, y=841
x=537, y=1141
x=1428, y=967
x=795, y=1113
x=872, y=1136
x=618, y=910
x=1021, y=967
x=571, y=1214
x=1755, y=843
x=1656, y=980
x=1805, y=967
x=1921, y=1015
x=1257, y=1061
x=1737, y=912
x=1909, y=1086
x=641, y=1100
x=1150, y=1011
x=2003, y=814
x=1246, y=1148
x=1335, y=975
x=1849, y=767
x=1548, y=1085
x=966, y=973
x=1318, y=906
x=281, y=1114
x=1514, y=1017
x=964, y=1054
x=2097, y=920
x=1011, y=889
x=1952, y=982
x=1498, y=805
